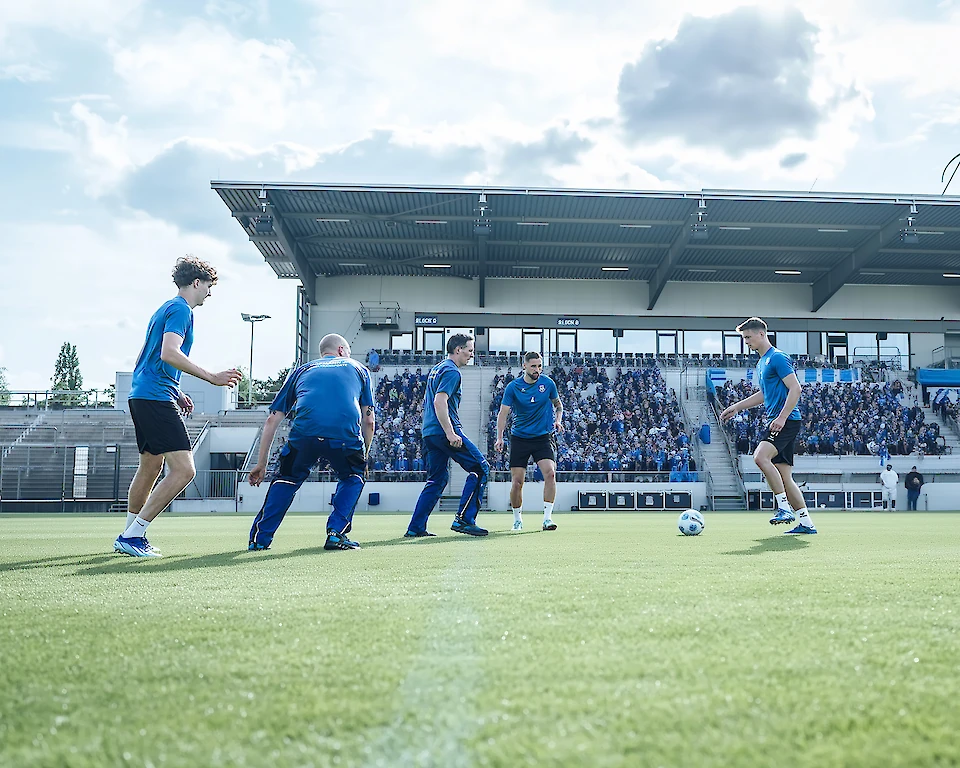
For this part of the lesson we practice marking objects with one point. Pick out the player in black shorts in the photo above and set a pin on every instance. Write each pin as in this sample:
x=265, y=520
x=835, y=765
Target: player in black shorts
x=780, y=395
x=156, y=403
x=537, y=414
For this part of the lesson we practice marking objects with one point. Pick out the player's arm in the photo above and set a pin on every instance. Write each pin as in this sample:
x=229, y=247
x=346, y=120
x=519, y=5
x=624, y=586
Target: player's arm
x=170, y=354
x=557, y=413
x=443, y=416
x=744, y=405
x=502, y=417
x=793, y=397
x=266, y=441
x=367, y=427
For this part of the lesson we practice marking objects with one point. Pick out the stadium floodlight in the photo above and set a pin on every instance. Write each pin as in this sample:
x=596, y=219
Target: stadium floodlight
x=253, y=320
x=787, y=272
x=909, y=235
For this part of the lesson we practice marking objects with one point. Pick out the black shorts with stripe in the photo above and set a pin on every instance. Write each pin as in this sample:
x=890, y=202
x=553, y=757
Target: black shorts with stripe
x=783, y=441
x=159, y=427
x=540, y=448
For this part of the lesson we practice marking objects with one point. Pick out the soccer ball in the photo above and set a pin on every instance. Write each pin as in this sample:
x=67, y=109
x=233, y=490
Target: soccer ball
x=691, y=523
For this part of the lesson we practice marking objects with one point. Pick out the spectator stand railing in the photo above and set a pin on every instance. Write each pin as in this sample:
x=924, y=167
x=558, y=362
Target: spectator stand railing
x=730, y=447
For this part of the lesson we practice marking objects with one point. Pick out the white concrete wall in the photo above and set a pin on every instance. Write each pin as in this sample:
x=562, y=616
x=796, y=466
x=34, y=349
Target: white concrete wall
x=206, y=397
x=230, y=439
x=402, y=497
x=921, y=348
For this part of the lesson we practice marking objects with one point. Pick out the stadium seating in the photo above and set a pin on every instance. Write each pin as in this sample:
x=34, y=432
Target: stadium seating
x=629, y=424
x=842, y=419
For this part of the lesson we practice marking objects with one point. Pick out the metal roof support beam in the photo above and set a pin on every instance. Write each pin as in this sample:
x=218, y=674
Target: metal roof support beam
x=851, y=264
x=669, y=261
x=482, y=254
x=308, y=278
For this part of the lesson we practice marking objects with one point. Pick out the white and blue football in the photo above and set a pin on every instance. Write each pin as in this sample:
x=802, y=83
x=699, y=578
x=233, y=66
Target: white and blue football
x=691, y=522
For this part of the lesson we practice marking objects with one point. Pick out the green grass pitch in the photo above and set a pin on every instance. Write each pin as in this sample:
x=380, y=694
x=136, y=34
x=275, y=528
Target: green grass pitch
x=612, y=641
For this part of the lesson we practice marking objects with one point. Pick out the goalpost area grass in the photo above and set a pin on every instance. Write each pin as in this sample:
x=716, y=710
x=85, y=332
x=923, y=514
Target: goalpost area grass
x=611, y=641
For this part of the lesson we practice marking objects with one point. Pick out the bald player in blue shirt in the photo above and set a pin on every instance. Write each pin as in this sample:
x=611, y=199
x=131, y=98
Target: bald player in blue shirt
x=779, y=394
x=331, y=400
x=443, y=439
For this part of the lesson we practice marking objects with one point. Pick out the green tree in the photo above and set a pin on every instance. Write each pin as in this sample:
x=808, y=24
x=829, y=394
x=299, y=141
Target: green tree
x=66, y=375
x=265, y=391
x=4, y=388
x=110, y=396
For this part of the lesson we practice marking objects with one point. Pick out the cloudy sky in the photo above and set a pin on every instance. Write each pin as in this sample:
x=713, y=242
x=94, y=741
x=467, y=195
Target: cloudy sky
x=117, y=114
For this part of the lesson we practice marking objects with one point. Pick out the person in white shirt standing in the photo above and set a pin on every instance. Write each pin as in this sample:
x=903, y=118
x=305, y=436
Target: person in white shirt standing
x=889, y=480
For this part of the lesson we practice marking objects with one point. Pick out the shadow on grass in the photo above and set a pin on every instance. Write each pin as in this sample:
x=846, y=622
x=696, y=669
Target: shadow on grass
x=124, y=564
x=52, y=562
x=773, y=544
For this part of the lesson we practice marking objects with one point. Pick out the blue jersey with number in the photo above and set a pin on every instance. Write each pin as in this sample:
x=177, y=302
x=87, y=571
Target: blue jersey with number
x=532, y=406
x=325, y=397
x=445, y=377
x=154, y=379
x=772, y=369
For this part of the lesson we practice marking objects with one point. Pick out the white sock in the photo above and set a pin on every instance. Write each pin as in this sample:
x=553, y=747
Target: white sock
x=137, y=529
x=547, y=510
x=517, y=514
x=131, y=516
x=803, y=517
x=782, y=502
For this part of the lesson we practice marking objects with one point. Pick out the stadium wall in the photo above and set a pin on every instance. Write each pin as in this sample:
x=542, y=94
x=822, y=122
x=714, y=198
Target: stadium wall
x=315, y=497
x=892, y=307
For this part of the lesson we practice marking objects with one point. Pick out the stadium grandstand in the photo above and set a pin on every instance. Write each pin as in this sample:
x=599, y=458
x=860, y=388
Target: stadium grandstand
x=632, y=299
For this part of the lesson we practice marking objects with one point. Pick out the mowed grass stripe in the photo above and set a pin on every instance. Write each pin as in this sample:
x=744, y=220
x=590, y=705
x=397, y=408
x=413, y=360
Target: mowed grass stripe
x=613, y=641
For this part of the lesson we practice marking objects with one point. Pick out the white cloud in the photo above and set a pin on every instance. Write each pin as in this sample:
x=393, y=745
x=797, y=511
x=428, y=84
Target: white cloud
x=104, y=156
x=25, y=73
x=101, y=286
x=242, y=89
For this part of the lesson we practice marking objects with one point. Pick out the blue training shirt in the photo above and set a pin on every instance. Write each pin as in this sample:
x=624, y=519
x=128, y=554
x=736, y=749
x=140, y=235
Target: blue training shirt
x=444, y=377
x=772, y=369
x=532, y=406
x=326, y=396
x=154, y=379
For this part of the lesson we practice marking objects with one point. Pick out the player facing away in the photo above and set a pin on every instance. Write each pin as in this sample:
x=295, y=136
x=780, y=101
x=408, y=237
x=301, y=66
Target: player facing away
x=443, y=439
x=156, y=404
x=333, y=421
x=537, y=415
x=779, y=394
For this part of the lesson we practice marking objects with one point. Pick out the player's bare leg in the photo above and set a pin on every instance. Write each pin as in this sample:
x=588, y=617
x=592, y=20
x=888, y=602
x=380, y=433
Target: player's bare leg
x=517, y=476
x=764, y=455
x=795, y=495
x=548, y=468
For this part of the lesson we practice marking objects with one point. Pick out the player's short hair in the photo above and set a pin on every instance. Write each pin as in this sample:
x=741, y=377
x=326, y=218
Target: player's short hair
x=457, y=340
x=189, y=268
x=752, y=324
x=531, y=356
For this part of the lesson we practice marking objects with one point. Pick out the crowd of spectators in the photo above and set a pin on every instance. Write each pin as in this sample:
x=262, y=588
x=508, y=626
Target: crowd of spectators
x=398, y=403
x=631, y=423
x=843, y=419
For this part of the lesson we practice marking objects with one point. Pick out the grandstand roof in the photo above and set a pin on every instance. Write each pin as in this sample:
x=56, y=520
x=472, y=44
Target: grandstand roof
x=714, y=235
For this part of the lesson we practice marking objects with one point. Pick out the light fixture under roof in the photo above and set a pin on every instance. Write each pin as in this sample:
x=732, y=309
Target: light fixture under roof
x=927, y=232
x=525, y=266
x=615, y=269
x=430, y=221
x=788, y=272
x=833, y=231
x=436, y=266
x=735, y=229
x=636, y=226
x=333, y=221
x=352, y=264
x=533, y=223
x=950, y=274
x=703, y=271
x=874, y=274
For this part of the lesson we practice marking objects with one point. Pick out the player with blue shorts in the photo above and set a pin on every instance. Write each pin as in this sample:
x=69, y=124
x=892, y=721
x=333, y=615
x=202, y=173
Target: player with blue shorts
x=534, y=401
x=157, y=404
x=331, y=400
x=443, y=439
x=780, y=395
